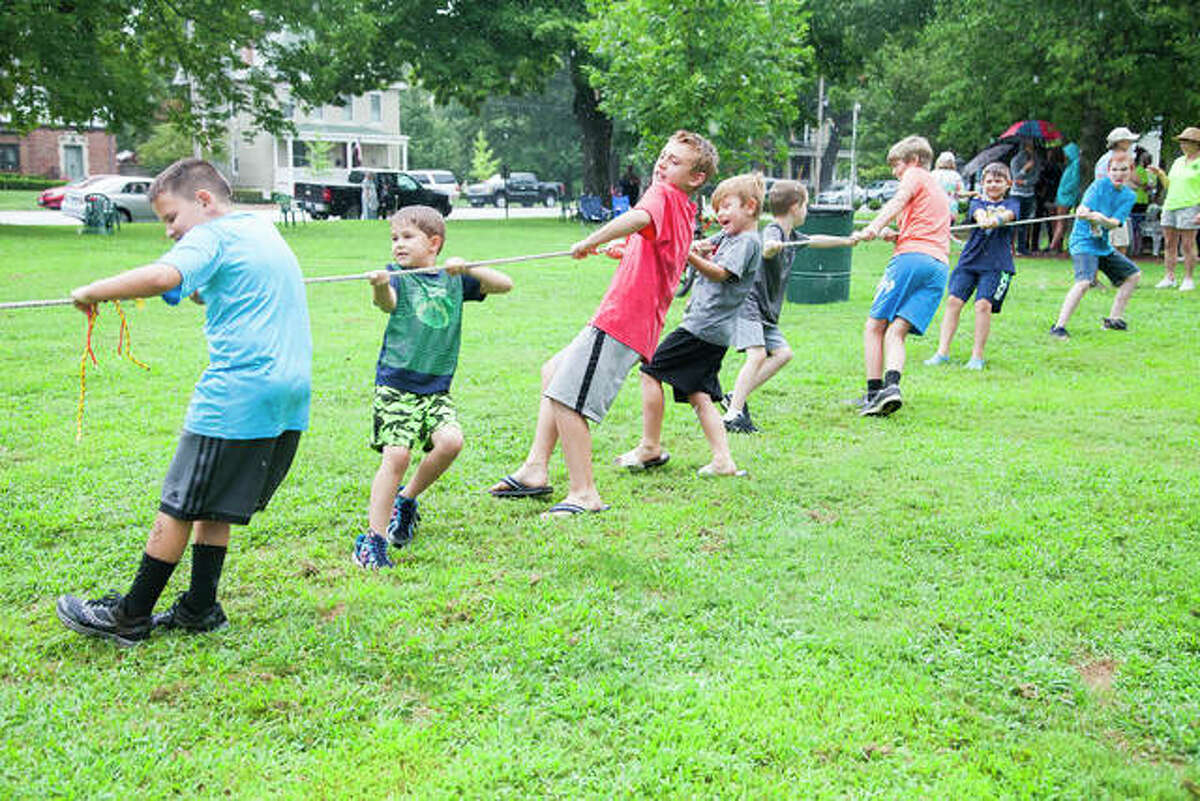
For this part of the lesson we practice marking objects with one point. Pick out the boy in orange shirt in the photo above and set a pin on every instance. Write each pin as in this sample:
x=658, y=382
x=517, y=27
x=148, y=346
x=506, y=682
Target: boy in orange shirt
x=915, y=278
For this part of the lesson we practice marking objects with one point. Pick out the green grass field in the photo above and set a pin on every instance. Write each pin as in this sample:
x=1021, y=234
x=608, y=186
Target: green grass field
x=992, y=594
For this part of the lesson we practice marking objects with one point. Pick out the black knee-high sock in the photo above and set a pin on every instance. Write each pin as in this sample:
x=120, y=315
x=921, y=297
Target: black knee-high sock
x=891, y=378
x=149, y=583
x=207, y=561
x=873, y=386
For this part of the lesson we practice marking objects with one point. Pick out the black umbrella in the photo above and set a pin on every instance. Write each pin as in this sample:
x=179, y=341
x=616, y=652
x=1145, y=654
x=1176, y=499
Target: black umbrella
x=996, y=151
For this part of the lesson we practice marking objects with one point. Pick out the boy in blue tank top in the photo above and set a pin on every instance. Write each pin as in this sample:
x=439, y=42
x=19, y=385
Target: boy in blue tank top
x=245, y=417
x=412, y=405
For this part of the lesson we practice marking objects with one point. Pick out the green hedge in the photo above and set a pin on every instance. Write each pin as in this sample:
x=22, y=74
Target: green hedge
x=36, y=182
x=249, y=196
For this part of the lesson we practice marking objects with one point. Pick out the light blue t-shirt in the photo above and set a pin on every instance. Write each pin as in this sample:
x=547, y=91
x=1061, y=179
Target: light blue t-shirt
x=1110, y=200
x=259, y=373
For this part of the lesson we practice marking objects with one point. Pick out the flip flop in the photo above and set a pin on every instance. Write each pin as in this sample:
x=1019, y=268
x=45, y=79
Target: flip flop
x=708, y=472
x=565, y=509
x=519, y=489
x=632, y=464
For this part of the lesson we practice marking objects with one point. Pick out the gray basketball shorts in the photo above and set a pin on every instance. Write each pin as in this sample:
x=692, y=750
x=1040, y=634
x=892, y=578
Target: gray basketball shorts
x=757, y=334
x=225, y=480
x=590, y=373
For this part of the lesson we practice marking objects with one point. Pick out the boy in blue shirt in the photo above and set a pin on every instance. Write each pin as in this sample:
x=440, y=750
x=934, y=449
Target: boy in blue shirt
x=985, y=266
x=1105, y=206
x=412, y=405
x=245, y=417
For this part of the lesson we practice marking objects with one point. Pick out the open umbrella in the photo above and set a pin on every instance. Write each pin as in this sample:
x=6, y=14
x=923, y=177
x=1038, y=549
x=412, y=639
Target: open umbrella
x=1031, y=129
x=996, y=151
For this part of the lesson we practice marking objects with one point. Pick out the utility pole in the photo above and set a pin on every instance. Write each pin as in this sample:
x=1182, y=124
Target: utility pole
x=854, y=152
x=817, y=148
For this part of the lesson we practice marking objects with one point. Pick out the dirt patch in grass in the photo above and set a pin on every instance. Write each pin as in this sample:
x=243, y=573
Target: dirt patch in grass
x=332, y=613
x=1098, y=675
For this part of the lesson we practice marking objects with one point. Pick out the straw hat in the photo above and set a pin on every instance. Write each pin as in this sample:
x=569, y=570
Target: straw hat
x=1190, y=134
x=1121, y=134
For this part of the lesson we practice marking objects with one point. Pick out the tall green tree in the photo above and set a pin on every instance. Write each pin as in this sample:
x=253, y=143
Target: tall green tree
x=730, y=70
x=484, y=163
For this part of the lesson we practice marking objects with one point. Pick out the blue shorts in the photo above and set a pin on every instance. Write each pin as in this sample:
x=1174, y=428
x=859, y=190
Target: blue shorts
x=911, y=288
x=1114, y=265
x=991, y=285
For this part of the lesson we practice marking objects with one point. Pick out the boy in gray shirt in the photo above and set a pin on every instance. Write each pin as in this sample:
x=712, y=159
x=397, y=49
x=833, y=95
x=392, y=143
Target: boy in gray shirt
x=689, y=358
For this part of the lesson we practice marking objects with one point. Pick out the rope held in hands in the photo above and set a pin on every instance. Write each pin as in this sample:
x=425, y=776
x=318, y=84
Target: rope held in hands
x=970, y=227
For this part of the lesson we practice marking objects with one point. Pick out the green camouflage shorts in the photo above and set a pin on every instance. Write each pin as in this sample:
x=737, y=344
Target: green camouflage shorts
x=405, y=419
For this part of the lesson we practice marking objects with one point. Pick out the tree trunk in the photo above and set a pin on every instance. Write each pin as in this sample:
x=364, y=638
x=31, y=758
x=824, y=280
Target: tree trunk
x=1091, y=144
x=597, y=131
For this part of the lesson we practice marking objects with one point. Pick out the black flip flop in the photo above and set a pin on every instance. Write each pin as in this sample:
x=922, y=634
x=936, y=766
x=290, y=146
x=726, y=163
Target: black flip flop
x=649, y=464
x=572, y=509
x=519, y=489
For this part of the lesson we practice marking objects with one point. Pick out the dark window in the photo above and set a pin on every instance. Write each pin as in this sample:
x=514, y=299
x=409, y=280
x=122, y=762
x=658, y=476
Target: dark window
x=299, y=154
x=10, y=158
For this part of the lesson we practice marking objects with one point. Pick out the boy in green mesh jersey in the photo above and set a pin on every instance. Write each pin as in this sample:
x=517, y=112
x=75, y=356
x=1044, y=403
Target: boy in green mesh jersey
x=412, y=403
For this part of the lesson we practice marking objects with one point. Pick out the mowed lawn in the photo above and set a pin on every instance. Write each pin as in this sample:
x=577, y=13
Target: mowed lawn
x=992, y=594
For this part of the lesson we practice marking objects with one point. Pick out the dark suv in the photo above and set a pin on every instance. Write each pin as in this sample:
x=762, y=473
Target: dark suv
x=394, y=189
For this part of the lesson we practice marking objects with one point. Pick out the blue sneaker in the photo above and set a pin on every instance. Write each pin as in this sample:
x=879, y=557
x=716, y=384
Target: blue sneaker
x=402, y=528
x=974, y=364
x=370, y=551
x=936, y=359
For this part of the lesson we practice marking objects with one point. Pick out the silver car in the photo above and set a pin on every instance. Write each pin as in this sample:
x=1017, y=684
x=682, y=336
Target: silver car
x=127, y=192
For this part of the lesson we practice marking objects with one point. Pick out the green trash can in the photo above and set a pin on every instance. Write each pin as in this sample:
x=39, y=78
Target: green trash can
x=822, y=275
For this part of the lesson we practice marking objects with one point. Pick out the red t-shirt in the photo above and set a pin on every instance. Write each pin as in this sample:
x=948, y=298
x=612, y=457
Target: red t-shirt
x=925, y=221
x=635, y=306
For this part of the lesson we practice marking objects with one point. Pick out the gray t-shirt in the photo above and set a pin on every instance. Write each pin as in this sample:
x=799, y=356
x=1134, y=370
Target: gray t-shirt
x=714, y=305
x=765, y=301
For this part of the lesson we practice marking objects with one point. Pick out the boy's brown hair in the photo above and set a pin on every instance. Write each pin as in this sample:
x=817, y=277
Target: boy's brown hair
x=784, y=195
x=911, y=148
x=425, y=219
x=998, y=168
x=747, y=187
x=706, y=155
x=186, y=176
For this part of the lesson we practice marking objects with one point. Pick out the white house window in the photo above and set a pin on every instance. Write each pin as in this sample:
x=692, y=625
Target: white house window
x=317, y=113
x=376, y=107
x=287, y=109
x=10, y=158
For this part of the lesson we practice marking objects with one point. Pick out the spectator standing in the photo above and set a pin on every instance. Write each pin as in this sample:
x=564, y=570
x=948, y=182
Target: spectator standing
x=1181, y=211
x=1067, y=196
x=1026, y=167
x=947, y=176
x=1044, y=194
x=631, y=185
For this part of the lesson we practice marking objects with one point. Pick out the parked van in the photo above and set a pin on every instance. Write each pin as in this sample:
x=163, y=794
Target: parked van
x=442, y=181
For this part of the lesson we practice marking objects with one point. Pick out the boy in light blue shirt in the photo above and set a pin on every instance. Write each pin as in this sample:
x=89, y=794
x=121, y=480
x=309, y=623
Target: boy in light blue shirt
x=1105, y=206
x=245, y=417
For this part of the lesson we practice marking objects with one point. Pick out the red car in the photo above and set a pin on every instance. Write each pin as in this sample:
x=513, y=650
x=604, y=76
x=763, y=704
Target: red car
x=52, y=198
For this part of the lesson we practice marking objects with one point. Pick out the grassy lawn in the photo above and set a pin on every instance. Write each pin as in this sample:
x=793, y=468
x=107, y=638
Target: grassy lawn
x=992, y=594
x=18, y=200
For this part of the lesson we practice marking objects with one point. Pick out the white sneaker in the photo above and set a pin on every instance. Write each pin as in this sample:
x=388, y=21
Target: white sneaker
x=1166, y=283
x=1187, y=286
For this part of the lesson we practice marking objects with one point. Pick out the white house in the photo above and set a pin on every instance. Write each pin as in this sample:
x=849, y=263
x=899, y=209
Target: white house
x=362, y=132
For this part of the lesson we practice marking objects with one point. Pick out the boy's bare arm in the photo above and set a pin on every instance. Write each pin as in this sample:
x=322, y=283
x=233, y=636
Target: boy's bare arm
x=628, y=223
x=381, y=289
x=140, y=282
x=491, y=282
x=1085, y=213
x=707, y=267
x=890, y=211
x=827, y=241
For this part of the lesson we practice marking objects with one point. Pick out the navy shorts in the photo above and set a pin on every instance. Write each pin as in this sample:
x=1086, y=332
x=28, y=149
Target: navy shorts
x=991, y=285
x=911, y=288
x=225, y=480
x=1116, y=266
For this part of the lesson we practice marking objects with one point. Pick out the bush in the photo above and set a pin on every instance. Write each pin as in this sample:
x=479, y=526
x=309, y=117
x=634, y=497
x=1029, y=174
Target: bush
x=249, y=196
x=34, y=182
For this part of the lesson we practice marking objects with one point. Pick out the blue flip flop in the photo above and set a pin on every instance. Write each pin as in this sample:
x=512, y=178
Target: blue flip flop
x=519, y=489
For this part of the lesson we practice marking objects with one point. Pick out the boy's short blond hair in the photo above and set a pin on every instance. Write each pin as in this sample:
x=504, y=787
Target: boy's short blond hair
x=945, y=160
x=425, y=219
x=748, y=188
x=187, y=176
x=706, y=155
x=998, y=168
x=784, y=195
x=911, y=148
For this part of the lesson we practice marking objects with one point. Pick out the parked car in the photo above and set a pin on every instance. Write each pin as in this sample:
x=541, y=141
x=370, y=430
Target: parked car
x=343, y=197
x=880, y=192
x=127, y=193
x=840, y=194
x=521, y=187
x=52, y=197
x=439, y=181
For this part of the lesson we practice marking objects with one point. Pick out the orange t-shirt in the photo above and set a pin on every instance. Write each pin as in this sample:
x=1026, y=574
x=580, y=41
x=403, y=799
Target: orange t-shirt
x=925, y=221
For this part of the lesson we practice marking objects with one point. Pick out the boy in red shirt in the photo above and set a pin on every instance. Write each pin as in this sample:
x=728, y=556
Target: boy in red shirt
x=915, y=278
x=581, y=381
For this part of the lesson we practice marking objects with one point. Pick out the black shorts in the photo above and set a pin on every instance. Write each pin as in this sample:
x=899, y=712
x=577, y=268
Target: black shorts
x=688, y=364
x=990, y=285
x=226, y=480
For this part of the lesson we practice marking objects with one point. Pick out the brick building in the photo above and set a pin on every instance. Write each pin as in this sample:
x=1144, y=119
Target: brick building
x=58, y=153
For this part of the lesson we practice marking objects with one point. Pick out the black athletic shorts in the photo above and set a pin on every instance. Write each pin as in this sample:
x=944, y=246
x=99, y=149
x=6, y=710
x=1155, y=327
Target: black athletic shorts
x=226, y=480
x=688, y=364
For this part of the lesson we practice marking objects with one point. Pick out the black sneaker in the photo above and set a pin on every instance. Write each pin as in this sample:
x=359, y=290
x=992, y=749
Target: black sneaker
x=1058, y=332
x=856, y=404
x=104, y=618
x=883, y=402
x=1114, y=324
x=741, y=425
x=180, y=616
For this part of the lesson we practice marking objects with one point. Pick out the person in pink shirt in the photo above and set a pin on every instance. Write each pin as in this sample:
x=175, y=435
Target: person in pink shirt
x=581, y=381
x=915, y=278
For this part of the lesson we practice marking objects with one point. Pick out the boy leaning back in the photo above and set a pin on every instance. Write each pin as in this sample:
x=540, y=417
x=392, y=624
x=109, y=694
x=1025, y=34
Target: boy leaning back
x=757, y=328
x=689, y=358
x=985, y=266
x=245, y=417
x=581, y=381
x=412, y=405
x=1105, y=207
x=911, y=288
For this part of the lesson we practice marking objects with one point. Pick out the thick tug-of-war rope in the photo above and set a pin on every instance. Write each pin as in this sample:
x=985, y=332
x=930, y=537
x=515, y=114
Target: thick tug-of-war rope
x=124, y=348
x=970, y=227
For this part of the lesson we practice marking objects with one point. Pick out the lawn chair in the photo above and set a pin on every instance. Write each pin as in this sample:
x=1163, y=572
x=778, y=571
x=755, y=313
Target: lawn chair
x=620, y=204
x=591, y=209
x=100, y=215
x=1151, y=228
x=287, y=211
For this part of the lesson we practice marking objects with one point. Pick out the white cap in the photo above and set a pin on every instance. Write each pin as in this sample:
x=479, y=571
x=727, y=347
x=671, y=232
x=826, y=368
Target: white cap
x=1121, y=134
